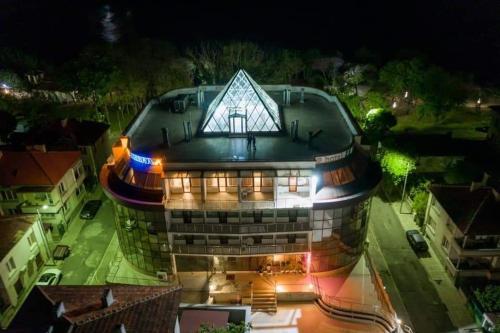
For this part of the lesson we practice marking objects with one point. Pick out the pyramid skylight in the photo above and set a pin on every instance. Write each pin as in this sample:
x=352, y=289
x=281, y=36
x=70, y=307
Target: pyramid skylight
x=242, y=106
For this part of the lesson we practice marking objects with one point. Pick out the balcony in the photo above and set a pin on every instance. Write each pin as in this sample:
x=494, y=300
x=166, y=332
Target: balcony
x=239, y=229
x=490, y=244
x=472, y=267
x=230, y=250
x=231, y=205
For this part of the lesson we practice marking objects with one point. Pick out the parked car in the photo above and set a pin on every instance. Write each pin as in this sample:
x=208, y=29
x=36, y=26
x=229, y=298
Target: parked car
x=416, y=240
x=49, y=277
x=90, y=209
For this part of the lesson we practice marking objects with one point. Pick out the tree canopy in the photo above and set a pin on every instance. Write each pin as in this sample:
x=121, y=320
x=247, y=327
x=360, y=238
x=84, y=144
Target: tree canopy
x=397, y=164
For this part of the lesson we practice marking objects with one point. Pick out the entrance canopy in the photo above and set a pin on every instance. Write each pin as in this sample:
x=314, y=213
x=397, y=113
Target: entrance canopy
x=242, y=106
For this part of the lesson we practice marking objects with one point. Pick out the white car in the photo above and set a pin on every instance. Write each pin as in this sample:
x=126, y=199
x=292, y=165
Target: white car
x=49, y=277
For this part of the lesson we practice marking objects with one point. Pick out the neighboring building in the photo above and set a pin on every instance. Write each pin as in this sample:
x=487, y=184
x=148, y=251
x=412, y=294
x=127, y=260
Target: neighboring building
x=49, y=183
x=463, y=225
x=192, y=194
x=78, y=309
x=23, y=251
x=90, y=137
x=494, y=128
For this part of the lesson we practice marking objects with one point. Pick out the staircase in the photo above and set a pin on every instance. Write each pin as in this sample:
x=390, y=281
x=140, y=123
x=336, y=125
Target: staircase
x=264, y=301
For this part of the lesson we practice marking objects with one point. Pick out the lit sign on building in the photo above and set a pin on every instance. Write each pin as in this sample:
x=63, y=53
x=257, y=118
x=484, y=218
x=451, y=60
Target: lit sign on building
x=144, y=160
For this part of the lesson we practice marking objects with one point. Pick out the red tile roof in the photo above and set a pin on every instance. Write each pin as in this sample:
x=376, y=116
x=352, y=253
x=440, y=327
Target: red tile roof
x=12, y=228
x=473, y=212
x=138, y=308
x=34, y=168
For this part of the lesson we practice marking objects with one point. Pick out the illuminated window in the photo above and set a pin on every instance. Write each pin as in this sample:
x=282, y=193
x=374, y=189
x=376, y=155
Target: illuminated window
x=337, y=177
x=242, y=106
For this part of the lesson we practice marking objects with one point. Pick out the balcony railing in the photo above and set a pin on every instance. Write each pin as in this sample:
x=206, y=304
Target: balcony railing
x=240, y=250
x=206, y=228
x=183, y=204
x=487, y=244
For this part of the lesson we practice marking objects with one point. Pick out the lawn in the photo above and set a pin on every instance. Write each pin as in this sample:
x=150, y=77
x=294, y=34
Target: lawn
x=461, y=122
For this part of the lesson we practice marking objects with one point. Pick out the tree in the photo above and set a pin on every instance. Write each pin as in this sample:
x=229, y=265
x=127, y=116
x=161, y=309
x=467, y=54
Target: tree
x=402, y=75
x=420, y=195
x=397, y=165
x=7, y=125
x=377, y=123
x=440, y=93
x=489, y=298
x=354, y=76
x=230, y=328
x=11, y=79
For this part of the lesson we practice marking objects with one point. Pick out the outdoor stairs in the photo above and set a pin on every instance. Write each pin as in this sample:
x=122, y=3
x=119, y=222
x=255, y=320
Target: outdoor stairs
x=264, y=301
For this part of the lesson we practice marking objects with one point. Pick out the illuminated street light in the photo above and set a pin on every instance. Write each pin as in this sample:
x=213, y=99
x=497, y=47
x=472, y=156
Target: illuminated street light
x=406, y=94
x=394, y=104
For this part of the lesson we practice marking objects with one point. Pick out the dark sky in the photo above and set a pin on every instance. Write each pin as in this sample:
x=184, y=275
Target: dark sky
x=458, y=34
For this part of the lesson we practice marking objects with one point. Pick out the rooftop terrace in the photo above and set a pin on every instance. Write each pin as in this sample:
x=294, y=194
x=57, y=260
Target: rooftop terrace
x=316, y=114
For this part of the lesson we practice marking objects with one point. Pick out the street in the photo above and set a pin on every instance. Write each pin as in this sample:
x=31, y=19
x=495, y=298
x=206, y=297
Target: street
x=414, y=295
x=88, y=240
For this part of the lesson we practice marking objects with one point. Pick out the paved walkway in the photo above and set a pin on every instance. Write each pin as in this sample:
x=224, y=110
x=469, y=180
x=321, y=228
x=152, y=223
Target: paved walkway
x=421, y=292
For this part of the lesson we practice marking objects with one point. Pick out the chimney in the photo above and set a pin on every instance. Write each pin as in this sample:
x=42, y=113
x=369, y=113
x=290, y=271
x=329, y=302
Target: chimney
x=124, y=140
x=120, y=328
x=107, y=298
x=164, y=134
x=475, y=185
x=64, y=122
x=59, y=309
x=484, y=180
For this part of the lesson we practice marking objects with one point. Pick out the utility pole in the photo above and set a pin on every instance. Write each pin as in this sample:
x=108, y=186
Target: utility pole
x=404, y=188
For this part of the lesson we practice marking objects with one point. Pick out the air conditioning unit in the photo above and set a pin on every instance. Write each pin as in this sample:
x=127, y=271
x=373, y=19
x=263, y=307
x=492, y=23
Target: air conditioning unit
x=162, y=276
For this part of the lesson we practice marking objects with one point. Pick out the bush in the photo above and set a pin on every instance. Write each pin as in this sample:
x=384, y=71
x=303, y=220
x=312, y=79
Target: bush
x=489, y=298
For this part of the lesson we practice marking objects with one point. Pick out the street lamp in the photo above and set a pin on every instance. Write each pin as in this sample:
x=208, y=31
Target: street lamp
x=44, y=237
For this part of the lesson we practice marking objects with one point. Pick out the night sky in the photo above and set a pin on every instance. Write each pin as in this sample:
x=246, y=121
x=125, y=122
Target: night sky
x=462, y=35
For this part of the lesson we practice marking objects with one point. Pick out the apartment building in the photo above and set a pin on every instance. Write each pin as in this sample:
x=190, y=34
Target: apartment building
x=245, y=177
x=46, y=183
x=463, y=225
x=23, y=252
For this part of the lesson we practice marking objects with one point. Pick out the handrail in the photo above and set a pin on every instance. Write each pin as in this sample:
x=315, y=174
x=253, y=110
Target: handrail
x=252, y=228
x=239, y=249
x=356, y=308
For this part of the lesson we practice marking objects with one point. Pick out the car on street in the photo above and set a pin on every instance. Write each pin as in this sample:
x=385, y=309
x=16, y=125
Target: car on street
x=416, y=240
x=49, y=277
x=90, y=209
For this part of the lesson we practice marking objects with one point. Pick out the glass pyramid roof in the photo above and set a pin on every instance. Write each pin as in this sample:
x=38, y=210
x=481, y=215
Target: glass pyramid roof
x=242, y=97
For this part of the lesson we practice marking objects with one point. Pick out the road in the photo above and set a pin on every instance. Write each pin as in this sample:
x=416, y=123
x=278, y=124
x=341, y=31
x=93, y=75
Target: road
x=88, y=244
x=401, y=266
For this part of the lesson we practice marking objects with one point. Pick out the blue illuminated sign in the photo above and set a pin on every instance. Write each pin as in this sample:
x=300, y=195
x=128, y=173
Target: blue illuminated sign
x=142, y=159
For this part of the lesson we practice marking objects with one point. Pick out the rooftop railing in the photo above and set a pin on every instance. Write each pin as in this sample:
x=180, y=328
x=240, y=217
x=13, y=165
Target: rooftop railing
x=227, y=205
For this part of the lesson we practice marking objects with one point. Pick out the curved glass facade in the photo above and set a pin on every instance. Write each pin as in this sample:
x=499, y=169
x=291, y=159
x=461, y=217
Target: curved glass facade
x=338, y=236
x=143, y=239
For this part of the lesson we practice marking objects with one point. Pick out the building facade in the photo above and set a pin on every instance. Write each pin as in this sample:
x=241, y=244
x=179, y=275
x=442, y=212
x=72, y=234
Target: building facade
x=46, y=183
x=244, y=177
x=23, y=253
x=462, y=224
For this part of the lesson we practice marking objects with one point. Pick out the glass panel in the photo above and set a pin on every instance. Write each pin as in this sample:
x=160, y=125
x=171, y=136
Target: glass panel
x=243, y=94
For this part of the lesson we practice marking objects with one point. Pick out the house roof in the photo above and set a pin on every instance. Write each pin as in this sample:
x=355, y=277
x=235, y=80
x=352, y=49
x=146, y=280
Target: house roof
x=473, y=212
x=12, y=229
x=138, y=308
x=34, y=168
x=67, y=133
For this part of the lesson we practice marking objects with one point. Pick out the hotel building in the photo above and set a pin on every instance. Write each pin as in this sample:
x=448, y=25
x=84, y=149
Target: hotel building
x=241, y=177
